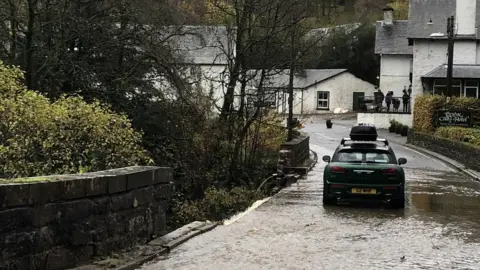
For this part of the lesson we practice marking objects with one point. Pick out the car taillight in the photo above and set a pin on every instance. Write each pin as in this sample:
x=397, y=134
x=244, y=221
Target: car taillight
x=389, y=171
x=337, y=169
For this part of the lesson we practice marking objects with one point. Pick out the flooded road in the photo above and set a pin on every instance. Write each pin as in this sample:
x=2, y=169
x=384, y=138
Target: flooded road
x=438, y=229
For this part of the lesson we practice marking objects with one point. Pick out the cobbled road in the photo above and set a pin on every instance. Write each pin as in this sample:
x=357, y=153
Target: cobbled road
x=438, y=229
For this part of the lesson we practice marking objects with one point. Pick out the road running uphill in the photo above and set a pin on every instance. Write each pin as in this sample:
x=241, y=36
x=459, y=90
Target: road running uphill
x=437, y=229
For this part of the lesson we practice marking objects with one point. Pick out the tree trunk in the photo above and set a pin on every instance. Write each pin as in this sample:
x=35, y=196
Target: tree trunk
x=13, y=29
x=235, y=71
x=29, y=48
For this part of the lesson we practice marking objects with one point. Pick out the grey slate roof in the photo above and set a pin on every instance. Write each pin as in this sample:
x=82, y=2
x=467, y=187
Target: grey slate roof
x=459, y=72
x=392, y=39
x=280, y=78
x=421, y=11
x=202, y=44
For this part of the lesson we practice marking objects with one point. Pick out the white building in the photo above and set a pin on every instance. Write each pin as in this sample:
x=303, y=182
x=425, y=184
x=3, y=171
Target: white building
x=391, y=44
x=317, y=91
x=204, y=52
x=424, y=60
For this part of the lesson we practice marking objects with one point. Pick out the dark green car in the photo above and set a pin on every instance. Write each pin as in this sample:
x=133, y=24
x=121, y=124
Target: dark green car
x=364, y=171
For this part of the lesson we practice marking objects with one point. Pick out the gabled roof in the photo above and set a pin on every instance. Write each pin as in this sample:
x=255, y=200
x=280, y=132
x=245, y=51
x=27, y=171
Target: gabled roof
x=421, y=11
x=309, y=77
x=459, y=72
x=392, y=39
x=201, y=44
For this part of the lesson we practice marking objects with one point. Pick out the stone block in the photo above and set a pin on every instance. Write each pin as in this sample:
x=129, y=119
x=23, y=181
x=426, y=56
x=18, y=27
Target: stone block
x=136, y=223
x=17, y=245
x=140, y=179
x=14, y=219
x=160, y=221
x=44, y=192
x=143, y=196
x=45, y=214
x=116, y=224
x=60, y=258
x=114, y=244
x=43, y=239
x=80, y=234
x=99, y=234
x=83, y=253
x=121, y=202
x=163, y=175
x=77, y=210
x=117, y=184
x=36, y=261
x=73, y=189
x=97, y=185
x=14, y=195
x=101, y=206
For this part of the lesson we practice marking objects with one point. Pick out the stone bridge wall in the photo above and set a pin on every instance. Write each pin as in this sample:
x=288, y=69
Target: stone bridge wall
x=295, y=152
x=462, y=152
x=66, y=220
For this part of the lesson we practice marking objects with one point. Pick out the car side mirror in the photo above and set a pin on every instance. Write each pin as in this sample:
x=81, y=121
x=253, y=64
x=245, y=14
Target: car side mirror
x=326, y=159
x=402, y=161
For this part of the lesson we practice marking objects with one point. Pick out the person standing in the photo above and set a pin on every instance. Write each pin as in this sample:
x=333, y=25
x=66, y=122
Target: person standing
x=388, y=100
x=379, y=96
x=405, y=99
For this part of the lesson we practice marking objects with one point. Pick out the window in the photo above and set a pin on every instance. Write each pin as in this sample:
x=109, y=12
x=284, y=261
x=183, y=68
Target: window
x=377, y=157
x=270, y=98
x=364, y=156
x=471, y=89
x=440, y=87
x=349, y=157
x=322, y=100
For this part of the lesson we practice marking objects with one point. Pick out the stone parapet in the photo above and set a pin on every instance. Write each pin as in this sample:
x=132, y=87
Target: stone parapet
x=58, y=222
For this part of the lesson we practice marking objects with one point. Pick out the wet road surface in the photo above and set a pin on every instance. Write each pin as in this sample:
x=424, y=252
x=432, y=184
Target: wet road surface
x=438, y=229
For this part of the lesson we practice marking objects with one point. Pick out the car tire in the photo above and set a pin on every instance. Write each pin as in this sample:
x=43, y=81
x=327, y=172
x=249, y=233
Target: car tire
x=326, y=199
x=398, y=203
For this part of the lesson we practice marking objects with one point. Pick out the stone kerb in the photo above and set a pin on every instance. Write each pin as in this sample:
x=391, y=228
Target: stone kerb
x=65, y=220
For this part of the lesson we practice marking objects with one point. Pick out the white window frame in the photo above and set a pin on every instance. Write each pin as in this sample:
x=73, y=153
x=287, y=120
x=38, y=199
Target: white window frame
x=323, y=99
x=470, y=87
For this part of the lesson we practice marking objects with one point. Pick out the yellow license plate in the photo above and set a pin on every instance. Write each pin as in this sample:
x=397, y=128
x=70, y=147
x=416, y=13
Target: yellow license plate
x=364, y=191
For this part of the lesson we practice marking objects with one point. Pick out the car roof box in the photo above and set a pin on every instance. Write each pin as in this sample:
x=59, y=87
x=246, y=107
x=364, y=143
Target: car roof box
x=363, y=132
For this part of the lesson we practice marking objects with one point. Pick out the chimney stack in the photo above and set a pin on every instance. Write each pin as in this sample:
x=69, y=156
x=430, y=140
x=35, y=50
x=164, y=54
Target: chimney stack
x=388, y=16
x=466, y=17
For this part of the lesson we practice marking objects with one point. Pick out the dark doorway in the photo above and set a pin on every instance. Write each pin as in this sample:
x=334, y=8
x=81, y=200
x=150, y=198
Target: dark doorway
x=356, y=100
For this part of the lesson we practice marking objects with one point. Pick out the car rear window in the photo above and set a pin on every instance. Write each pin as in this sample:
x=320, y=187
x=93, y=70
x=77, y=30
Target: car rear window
x=364, y=156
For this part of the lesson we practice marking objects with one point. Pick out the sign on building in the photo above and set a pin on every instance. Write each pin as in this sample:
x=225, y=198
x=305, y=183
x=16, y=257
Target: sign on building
x=456, y=118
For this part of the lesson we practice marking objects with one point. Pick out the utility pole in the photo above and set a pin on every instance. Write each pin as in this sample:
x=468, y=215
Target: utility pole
x=290, y=82
x=451, y=34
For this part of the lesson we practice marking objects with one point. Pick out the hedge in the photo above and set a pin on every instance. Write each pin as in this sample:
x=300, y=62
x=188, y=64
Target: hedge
x=426, y=105
x=40, y=137
x=468, y=135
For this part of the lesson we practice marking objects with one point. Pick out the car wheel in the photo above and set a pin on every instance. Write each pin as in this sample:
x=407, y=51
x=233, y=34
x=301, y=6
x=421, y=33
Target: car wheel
x=398, y=203
x=326, y=199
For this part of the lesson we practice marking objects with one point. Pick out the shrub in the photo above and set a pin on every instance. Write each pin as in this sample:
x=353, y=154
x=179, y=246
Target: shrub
x=424, y=109
x=398, y=128
x=217, y=205
x=39, y=137
x=426, y=105
x=393, y=122
x=404, y=130
x=468, y=135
